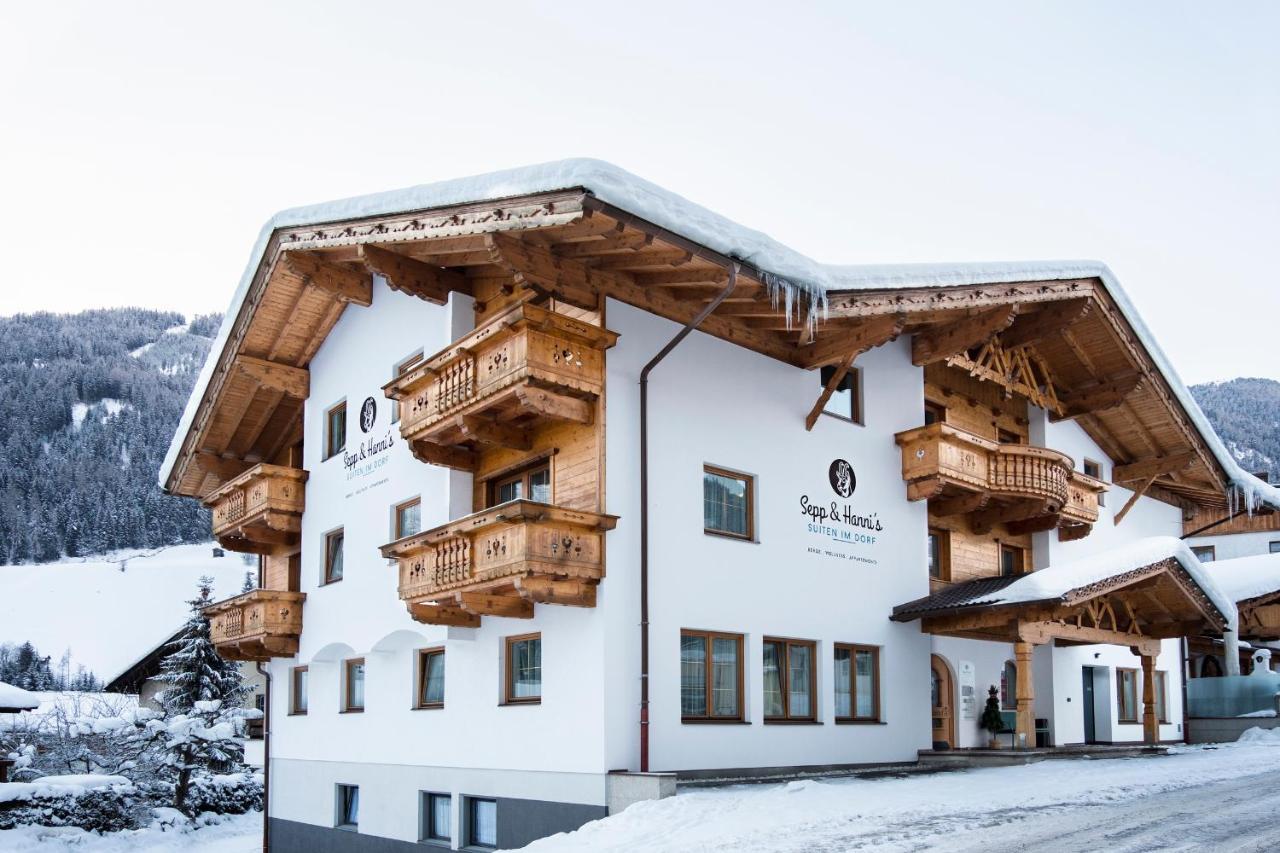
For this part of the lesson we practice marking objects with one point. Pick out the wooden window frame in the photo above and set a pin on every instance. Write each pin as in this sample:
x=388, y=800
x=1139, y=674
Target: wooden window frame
x=400, y=368
x=427, y=832
x=329, y=450
x=852, y=377
x=1021, y=568
x=708, y=681
x=853, y=649
x=295, y=693
x=469, y=815
x=420, y=678
x=1097, y=466
x=1161, y=684
x=1136, y=718
x=1213, y=552
x=939, y=412
x=508, y=680
x=341, y=811
x=395, y=517
x=1008, y=698
x=784, y=680
x=944, y=554
x=1008, y=436
x=326, y=577
x=522, y=474
x=347, y=666
x=750, y=481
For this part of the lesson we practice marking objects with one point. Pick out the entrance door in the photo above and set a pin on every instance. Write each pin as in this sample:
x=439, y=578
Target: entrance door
x=944, y=732
x=1090, y=727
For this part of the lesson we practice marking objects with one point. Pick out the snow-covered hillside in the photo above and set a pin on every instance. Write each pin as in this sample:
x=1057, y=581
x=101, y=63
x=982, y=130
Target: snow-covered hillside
x=109, y=618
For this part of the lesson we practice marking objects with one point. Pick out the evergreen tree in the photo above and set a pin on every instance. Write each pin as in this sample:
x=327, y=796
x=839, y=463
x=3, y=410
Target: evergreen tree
x=991, y=719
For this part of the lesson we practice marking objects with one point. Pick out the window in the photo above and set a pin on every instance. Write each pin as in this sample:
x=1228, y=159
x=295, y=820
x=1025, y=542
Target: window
x=531, y=484
x=430, y=679
x=437, y=817
x=939, y=554
x=400, y=370
x=333, y=542
x=408, y=518
x=482, y=822
x=335, y=430
x=524, y=669
x=1094, y=470
x=934, y=413
x=788, y=680
x=1005, y=436
x=1273, y=547
x=710, y=677
x=348, y=798
x=1204, y=553
x=1012, y=560
x=1127, y=695
x=1162, y=696
x=353, y=685
x=857, y=680
x=727, y=503
x=846, y=401
x=1009, y=686
x=298, y=690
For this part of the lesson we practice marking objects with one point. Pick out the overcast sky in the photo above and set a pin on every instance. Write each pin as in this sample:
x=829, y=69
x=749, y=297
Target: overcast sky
x=142, y=145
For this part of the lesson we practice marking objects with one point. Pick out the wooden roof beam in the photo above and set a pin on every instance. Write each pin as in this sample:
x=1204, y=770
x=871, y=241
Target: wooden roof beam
x=1097, y=396
x=833, y=346
x=1051, y=319
x=414, y=277
x=285, y=378
x=951, y=339
x=1155, y=466
x=342, y=283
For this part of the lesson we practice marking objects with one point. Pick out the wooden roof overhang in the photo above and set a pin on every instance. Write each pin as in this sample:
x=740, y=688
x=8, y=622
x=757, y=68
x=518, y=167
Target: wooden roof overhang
x=1135, y=608
x=571, y=246
x=1260, y=617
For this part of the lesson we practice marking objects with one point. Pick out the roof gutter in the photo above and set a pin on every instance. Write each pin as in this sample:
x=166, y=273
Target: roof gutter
x=644, y=503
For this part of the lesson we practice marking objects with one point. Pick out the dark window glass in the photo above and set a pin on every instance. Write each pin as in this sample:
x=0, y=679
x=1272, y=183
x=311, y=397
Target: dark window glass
x=336, y=430
x=482, y=823
x=348, y=806
x=431, y=678
x=726, y=503
x=333, y=556
x=710, y=676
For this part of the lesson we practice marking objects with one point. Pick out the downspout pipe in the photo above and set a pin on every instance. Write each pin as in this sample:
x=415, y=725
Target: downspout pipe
x=266, y=760
x=644, y=504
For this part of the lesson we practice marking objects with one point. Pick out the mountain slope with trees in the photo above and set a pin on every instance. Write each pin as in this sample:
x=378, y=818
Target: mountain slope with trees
x=88, y=403
x=1246, y=414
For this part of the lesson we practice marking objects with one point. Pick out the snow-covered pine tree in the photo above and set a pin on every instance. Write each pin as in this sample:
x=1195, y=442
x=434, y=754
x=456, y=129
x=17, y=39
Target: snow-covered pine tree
x=250, y=583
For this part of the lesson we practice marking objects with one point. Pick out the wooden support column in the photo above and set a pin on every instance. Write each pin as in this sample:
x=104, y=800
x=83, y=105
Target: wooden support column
x=1025, y=733
x=1150, y=723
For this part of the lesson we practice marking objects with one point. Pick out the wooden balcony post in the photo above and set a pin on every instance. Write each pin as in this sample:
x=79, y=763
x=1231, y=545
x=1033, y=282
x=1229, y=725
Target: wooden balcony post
x=1026, y=695
x=1150, y=722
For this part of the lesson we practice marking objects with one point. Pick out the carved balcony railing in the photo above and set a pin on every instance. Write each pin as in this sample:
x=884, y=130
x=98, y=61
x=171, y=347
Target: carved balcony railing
x=1027, y=488
x=261, y=510
x=525, y=367
x=500, y=562
x=257, y=625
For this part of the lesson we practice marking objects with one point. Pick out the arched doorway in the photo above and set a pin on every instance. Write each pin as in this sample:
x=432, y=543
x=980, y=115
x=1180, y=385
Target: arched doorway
x=1210, y=668
x=943, y=693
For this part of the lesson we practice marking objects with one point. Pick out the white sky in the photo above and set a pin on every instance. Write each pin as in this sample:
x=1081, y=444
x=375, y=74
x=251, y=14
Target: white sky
x=142, y=145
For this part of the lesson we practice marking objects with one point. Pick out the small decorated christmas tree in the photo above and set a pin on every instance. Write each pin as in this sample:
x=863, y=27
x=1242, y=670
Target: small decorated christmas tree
x=991, y=719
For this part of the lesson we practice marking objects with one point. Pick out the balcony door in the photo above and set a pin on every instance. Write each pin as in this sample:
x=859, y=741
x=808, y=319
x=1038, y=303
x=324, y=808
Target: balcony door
x=943, y=693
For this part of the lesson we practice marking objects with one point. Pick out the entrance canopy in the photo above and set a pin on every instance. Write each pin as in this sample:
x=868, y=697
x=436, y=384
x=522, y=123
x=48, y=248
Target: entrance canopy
x=1253, y=583
x=1135, y=595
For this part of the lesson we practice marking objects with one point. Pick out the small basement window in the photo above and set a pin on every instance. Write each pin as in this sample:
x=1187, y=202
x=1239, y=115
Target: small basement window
x=482, y=823
x=437, y=817
x=846, y=401
x=348, y=807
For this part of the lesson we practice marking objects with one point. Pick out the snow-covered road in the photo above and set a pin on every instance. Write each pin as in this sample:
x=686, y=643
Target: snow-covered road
x=1199, y=798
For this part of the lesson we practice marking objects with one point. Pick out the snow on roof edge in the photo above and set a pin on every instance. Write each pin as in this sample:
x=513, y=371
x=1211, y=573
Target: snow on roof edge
x=787, y=269
x=16, y=697
x=1244, y=578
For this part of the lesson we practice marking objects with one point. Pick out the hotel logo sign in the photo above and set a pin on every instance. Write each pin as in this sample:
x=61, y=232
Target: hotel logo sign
x=846, y=531
x=368, y=414
x=842, y=478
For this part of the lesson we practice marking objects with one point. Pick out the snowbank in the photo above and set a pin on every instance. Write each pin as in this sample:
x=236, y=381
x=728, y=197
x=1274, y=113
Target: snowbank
x=1244, y=578
x=16, y=697
x=74, y=784
x=170, y=832
x=1260, y=735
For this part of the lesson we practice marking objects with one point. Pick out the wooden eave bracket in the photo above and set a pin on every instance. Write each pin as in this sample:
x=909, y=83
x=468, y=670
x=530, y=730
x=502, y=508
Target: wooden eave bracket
x=1157, y=466
x=1029, y=328
x=948, y=339
x=342, y=283
x=835, y=346
x=1097, y=396
x=414, y=277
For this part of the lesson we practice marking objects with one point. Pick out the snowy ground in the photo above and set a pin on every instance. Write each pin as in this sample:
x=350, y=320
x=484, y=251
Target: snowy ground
x=1196, y=799
x=239, y=834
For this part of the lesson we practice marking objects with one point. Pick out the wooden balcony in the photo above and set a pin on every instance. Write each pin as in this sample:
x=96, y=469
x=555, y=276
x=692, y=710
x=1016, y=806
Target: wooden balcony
x=260, y=511
x=1026, y=488
x=525, y=367
x=500, y=562
x=257, y=625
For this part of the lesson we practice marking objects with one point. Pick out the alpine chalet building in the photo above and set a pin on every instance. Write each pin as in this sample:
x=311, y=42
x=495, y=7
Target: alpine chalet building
x=563, y=485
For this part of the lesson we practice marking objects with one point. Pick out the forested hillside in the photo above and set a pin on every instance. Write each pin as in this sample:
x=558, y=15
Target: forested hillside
x=1246, y=413
x=88, y=403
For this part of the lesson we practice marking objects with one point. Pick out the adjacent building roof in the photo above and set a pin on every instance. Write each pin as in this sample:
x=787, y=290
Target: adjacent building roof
x=15, y=699
x=1246, y=578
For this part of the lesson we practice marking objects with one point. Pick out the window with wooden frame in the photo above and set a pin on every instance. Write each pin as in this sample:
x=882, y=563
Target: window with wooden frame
x=335, y=430
x=1127, y=695
x=934, y=413
x=1205, y=553
x=846, y=401
x=334, y=541
x=1094, y=470
x=437, y=817
x=524, y=670
x=407, y=518
x=857, y=683
x=710, y=677
x=1013, y=560
x=298, y=691
x=399, y=370
x=353, y=685
x=529, y=484
x=429, y=679
x=728, y=503
x=939, y=554
x=789, y=688
x=1162, y=695
x=1008, y=436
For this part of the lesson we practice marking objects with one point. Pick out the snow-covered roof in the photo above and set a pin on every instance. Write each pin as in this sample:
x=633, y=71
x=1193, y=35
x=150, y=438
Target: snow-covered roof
x=787, y=270
x=1059, y=582
x=16, y=697
x=1244, y=578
